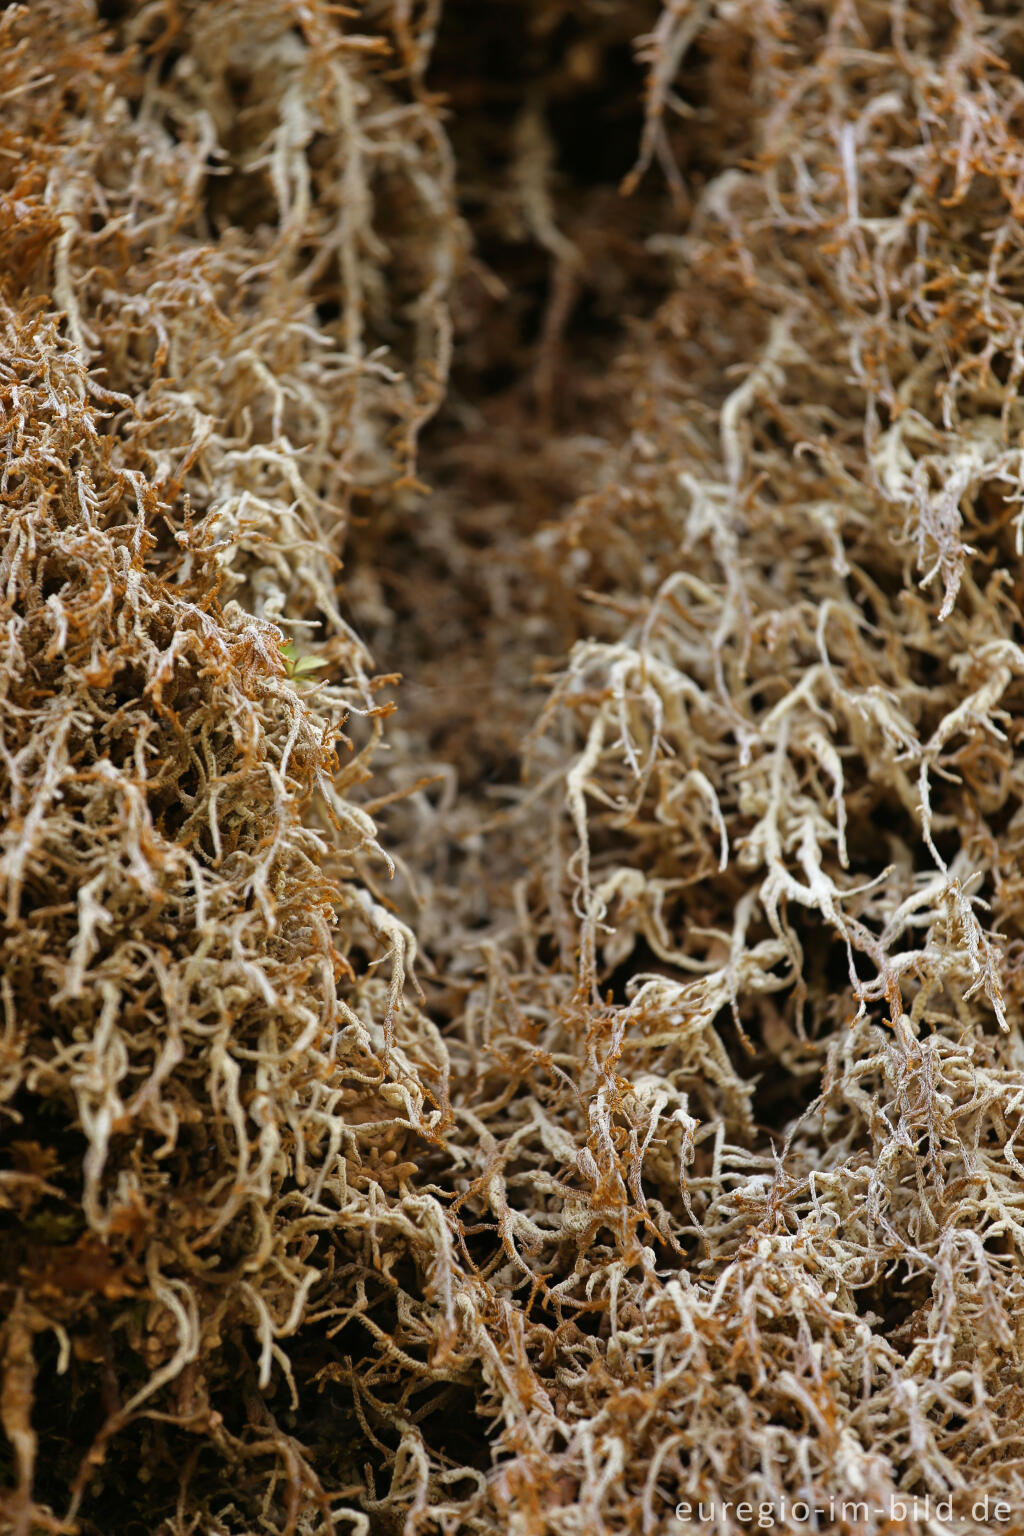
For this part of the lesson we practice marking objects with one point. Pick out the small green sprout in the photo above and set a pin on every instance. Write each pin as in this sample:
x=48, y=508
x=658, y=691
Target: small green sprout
x=297, y=666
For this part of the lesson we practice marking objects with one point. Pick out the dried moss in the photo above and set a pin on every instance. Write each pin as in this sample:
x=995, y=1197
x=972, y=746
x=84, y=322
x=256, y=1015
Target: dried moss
x=688, y=1172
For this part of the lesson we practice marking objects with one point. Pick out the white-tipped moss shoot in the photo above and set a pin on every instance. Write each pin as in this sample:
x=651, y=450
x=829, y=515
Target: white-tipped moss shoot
x=564, y=456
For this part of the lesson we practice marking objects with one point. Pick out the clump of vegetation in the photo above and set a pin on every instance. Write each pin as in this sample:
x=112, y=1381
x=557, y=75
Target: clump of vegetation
x=208, y=1087
x=654, y=1140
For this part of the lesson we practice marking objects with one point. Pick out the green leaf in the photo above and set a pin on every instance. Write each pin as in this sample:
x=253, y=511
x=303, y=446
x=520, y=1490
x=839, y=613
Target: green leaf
x=297, y=665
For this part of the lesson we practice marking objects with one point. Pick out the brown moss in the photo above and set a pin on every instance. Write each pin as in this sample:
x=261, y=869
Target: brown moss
x=691, y=1173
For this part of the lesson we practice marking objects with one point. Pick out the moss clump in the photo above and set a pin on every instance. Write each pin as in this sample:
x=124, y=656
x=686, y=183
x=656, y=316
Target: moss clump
x=207, y=1086
x=743, y=1034
x=691, y=1175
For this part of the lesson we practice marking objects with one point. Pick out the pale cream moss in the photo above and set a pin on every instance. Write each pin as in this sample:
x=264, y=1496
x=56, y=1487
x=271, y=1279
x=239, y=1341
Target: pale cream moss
x=746, y=1057
x=697, y=1175
x=784, y=764
x=208, y=1076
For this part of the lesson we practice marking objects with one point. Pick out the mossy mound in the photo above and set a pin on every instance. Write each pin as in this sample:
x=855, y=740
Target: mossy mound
x=203, y=1140
x=687, y=1172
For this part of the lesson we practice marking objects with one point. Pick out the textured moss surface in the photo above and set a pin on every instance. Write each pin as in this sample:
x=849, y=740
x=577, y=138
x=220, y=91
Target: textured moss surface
x=511, y=671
